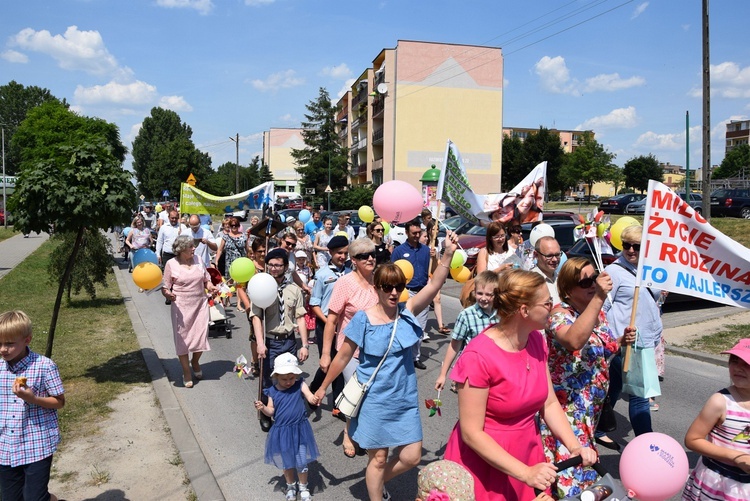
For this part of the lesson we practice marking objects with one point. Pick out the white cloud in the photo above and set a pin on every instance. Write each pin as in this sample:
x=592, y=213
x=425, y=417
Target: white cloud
x=670, y=141
x=282, y=80
x=256, y=3
x=620, y=118
x=202, y=6
x=729, y=80
x=135, y=93
x=554, y=75
x=134, y=130
x=74, y=50
x=340, y=72
x=288, y=119
x=639, y=10
x=612, y=82
x=13, y=56
x=345, y=88
x=175, y=103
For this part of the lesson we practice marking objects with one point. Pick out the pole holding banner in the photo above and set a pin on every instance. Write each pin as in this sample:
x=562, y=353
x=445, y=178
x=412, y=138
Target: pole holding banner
x=628, y=349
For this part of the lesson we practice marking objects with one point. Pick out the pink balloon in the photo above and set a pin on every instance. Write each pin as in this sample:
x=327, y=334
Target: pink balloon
x=397, y=201
x=654, y=466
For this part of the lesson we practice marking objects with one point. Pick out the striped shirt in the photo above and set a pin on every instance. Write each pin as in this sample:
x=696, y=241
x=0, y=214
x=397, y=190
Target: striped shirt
x=471, y=321
x=28, y=433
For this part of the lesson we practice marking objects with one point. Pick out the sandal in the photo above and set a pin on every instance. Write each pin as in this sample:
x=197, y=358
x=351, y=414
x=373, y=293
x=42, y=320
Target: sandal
x=349, y=451
x=255, y=369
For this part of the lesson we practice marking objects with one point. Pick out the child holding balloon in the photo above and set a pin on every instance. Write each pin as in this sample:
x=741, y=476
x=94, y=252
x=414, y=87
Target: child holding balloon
x=721, y=434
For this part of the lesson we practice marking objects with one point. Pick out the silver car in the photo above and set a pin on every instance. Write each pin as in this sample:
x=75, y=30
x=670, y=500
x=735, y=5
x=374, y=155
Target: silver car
x=639, y=207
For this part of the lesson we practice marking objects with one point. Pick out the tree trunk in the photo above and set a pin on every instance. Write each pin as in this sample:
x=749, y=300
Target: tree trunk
x=61, y=291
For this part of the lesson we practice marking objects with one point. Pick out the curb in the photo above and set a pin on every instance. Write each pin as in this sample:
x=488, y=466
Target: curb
x=697, y=355
x=202, y=479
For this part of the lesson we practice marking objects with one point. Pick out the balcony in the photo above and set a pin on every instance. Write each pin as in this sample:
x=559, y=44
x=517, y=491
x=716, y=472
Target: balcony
x=361, y=97
x=377, y=164
x=378, y=106
x=377, y=136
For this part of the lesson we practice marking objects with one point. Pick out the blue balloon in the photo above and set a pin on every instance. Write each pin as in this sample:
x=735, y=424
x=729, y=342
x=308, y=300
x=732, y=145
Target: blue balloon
x=563, y=258
x=126, y=231
x=304, y=215
x=144, y=256
x=206, y=227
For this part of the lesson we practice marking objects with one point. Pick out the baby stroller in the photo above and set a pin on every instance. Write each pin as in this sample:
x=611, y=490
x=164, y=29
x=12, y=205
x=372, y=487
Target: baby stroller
x=218, y=323
x=606, y=488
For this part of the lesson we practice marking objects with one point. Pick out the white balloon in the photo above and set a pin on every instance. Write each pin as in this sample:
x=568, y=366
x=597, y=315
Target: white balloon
x=261, y=289
x=539, y=231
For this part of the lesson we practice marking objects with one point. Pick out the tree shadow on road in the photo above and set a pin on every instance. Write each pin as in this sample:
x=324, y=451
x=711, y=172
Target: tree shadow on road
x=126, y=368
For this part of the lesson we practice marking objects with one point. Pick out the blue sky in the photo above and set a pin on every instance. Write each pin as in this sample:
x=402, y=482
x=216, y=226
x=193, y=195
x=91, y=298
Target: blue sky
x=629, y=70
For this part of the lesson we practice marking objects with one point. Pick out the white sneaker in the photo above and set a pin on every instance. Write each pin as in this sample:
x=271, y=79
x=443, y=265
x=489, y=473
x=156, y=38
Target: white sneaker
x=291, y=492
x=304, y=493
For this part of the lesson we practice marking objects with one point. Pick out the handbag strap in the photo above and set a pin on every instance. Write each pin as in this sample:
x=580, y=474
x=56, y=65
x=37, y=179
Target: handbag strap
x=650, y=292
x=393, y=335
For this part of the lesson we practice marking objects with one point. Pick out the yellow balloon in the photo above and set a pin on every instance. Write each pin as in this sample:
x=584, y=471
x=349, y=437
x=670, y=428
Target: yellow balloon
x=615, y=231
x=366, y=213
x=342, y=234
x=461, y=274
x=147, y=275
x=407, y=268
x=404, y=296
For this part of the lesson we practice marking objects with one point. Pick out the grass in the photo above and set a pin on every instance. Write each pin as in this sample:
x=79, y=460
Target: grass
x=95, y=347
x=720, y=341
x=6, y=233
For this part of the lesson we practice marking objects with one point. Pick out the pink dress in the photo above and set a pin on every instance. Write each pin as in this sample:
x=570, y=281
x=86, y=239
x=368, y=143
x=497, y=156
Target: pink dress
x=190, y=308
x=516, y=394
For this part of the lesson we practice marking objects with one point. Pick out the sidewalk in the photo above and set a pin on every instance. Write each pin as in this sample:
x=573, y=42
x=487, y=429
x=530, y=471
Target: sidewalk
x=683, y=334
x=15, y=249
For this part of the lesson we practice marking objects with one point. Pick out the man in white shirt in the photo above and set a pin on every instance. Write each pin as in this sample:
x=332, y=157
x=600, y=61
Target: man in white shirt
x=149, y=217
x=547, y=252
x=202, y=239
x=344, y=226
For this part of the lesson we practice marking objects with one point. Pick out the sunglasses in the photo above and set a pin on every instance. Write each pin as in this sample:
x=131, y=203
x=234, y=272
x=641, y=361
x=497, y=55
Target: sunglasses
x=628, y=246
x=587, y=282
x=377, y=230
x=234, y=226
x=365, y=255
x=388, y=288
x=558, y=255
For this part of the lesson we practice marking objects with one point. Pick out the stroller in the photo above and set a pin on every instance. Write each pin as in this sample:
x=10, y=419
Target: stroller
x=606, y=488
x=218, y=323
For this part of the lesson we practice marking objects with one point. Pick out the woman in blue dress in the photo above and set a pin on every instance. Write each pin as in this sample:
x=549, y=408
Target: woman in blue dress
x=389, y=413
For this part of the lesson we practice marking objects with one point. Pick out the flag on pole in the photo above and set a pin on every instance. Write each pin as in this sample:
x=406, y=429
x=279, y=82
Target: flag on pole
x=524, y=203
x=681, y=252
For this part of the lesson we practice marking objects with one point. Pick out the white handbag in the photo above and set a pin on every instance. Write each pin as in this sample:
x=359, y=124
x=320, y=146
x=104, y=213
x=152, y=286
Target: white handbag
x=350, y=399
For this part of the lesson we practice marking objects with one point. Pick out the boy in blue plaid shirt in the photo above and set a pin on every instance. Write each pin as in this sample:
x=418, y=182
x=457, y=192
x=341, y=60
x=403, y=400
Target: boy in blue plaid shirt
x=471, y=321
x=30, y=394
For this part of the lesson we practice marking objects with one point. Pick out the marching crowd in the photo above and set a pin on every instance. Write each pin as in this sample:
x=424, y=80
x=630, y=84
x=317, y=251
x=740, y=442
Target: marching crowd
x=534, y=356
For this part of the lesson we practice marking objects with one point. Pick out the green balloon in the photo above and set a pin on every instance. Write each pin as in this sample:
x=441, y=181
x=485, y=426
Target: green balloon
x=459, y=259
x=242, y=270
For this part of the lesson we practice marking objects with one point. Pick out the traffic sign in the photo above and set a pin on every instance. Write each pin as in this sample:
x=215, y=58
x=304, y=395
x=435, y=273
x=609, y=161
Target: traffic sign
x=191, y=180
x=142, y=197
x=328, y=189
x=165, y=193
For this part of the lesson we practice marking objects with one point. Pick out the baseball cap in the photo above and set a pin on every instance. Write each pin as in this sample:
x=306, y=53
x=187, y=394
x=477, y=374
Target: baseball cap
x=741, y=349
x=286, y=363
x=291, y=219
x=300, y=253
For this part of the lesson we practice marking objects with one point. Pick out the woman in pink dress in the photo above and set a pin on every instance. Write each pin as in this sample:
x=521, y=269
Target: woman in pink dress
x=503, y=381
x=185, y=284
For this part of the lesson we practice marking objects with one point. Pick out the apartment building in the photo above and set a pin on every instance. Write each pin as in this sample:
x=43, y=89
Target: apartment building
x=569, y=139
x=738, y=132
x=277, y=154
x=399, y=114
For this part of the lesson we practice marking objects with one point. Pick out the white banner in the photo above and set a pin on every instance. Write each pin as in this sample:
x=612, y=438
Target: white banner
x=681, y=252
x=524, y=203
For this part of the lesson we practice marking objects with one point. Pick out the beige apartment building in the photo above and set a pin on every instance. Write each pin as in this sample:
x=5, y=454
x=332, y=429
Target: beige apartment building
x=277, y=154
x=399, y=114
x=569, y=139
x=738, y=132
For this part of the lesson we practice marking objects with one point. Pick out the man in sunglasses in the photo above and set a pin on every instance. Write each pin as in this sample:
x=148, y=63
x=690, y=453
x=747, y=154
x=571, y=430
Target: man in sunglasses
x=288, y=242
x=548, y=255
x=325, y=279
x=419, y=256
x=345, y=227
x=281, y=317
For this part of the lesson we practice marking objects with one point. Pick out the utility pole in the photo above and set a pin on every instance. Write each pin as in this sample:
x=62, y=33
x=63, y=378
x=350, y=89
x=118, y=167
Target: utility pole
x=237, y=163
x=5, y=211
x=706, y=116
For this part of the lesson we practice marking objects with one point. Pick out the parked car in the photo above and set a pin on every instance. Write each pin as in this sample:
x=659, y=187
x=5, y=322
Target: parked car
x=2, y=216
x=475, y=238
x=639, y=207
x=618, y=203
x=734, y=202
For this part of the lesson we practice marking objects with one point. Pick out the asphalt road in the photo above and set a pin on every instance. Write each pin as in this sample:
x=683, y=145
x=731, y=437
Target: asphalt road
x=221, y=417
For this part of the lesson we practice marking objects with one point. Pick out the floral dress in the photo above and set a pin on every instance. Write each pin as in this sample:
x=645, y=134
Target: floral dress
x=234, y=247
x=580, y=380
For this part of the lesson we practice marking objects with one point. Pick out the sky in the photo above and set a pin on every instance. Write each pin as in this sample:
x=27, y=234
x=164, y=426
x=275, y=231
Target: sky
x=627, y=69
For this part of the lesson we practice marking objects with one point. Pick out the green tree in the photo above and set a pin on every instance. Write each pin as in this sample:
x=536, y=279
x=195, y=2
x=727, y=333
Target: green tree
x=515, y=165
x=616, y=177
x=541, y=146
x=250, y=176
x=736, y=159
x=164, y=155
x=638, y=170
x=322, y=153
x=16, y=101
x=355, y=197
x=75, y=184
x=265, y=174
x=588, y=164
x=94, y=261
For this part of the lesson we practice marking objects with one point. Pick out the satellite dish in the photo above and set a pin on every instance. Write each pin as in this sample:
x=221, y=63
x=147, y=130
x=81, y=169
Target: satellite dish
x=382, y=88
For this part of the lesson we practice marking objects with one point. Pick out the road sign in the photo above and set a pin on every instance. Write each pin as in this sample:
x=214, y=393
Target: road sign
x=191, y=180
x=328, y=189
x=309, y=191
x=142, y=197
x=165, y=193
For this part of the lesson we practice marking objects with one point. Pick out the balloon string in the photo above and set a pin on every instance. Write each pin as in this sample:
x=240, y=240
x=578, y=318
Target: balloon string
x=439, y=222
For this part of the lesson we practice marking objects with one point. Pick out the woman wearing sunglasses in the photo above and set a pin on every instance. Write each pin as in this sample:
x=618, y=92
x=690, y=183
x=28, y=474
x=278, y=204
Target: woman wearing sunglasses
x=389, y=413
x=581, y=344
x=352, y=292
x=376, y=233
x=647, y=319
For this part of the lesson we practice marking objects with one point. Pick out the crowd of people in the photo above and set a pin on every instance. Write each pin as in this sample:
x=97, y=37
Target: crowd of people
x=534, y=360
